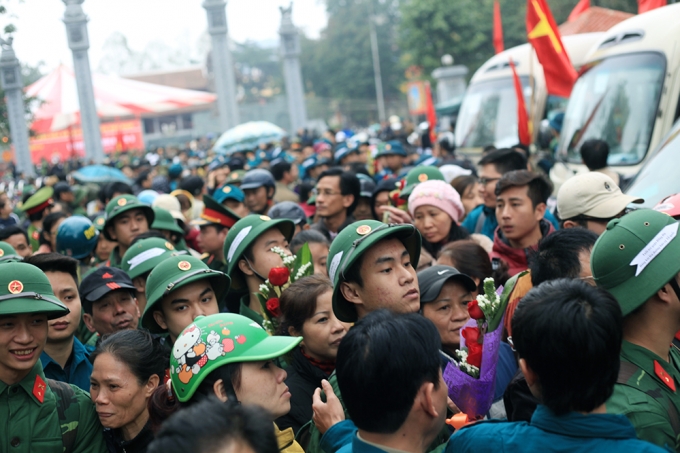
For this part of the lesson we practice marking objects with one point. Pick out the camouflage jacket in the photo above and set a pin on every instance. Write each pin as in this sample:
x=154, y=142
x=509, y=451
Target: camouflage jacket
x=32, y=422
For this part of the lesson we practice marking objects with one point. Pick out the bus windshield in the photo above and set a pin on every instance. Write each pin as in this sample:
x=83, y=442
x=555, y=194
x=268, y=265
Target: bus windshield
x=488, y=115
x=615, y=101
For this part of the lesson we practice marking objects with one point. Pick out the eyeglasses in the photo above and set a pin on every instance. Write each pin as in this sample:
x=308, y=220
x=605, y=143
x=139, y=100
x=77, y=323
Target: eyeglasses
x=356, y=243
x=484, y=181
x=325, y=193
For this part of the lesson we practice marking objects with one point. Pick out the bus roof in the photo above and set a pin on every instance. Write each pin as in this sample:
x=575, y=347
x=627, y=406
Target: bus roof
x=498, y=66
x=653, y=30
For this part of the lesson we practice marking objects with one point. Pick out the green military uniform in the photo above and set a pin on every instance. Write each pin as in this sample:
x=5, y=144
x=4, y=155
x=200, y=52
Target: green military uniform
x=633, y=259
x=35, y=204
x=174, y=272
x=352, y=242
x=40, y=415
x=116, y=207
x=241, y=236
x=218, y=215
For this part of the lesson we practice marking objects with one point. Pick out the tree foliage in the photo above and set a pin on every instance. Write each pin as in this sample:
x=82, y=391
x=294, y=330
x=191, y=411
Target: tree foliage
x=432, y=28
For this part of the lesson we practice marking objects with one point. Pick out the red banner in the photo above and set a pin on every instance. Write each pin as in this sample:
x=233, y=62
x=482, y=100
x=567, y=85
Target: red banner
x=648, y=5
x=68, y=143
x=497, y=28
x=580, y=8
x=523, y=128
x=417, y=98
x=431, y=114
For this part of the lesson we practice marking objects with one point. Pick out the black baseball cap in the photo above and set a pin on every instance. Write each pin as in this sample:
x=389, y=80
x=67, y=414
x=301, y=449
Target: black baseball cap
x=101, y=282
x=432, y=279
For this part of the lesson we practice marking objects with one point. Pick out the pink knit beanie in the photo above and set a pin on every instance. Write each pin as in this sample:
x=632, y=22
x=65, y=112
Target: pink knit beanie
x=438, y=194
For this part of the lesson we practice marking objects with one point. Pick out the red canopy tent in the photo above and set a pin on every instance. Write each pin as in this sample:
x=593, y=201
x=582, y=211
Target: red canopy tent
x=57, y=119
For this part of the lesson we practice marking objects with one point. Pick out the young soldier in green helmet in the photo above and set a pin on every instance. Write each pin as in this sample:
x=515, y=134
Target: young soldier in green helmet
x=8, y=254
x=248, y=251
x=215, y=222
x=372, y=265
x=39, y=415
x=126, y=218
x=637, y=259
x=141, y=258
x=36, y=207
x=180, y=289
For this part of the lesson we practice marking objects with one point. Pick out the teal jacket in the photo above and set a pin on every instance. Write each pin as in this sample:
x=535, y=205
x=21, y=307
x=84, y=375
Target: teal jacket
x=77, y=371
x=547, y=432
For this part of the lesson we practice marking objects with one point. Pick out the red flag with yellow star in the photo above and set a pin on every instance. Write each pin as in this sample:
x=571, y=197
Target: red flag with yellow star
x=544, y=36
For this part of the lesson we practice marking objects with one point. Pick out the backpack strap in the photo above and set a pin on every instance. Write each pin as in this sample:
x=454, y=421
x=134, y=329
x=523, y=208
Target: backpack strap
x=627, y=370
x=68, y=410
x=480, y=222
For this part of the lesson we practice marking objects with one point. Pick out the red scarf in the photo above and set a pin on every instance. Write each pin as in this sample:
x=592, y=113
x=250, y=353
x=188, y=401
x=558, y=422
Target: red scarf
x=326, y=367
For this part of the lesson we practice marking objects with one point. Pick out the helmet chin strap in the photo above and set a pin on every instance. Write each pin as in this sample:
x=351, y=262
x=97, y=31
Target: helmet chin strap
x=250, y=266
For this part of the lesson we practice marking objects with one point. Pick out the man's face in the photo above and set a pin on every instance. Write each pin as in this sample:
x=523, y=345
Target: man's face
x=67, y=197
x=127, y=226
x=488, y=176
x=516, y=215
x=211, y=239
x=117, y=310
x=329, y=200
x=179, y=308
x=22, y=340
x=389, y=280
x=263, y=258
x=363, y=210
x=5, y=205
x=66, y=289
x=237, y=207
x=381, y=199
x=393, y=161
x=256, y=200
x=18, y=241
x=294, y=173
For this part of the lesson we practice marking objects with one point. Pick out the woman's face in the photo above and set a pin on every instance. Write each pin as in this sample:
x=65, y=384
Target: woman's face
x=319, y=257
x=52, y=235
x=262, y=384
x=449, y=313
x=120, y=400
x=104, y=247
x=433, y=223
x=323, y=332
x=471, y=197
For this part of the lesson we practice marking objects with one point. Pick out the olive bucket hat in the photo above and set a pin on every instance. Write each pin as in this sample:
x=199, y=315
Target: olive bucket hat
x=242, y=235
x=25, y=289
x=636, y=256
x=125, y=203
x=352, y=242
x=211, y=342
x=175, y=272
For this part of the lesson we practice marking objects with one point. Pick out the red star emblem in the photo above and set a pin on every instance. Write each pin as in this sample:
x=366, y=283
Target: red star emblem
x=39, y=387
x=15, y=287
x=664, y=376
x=184, y=265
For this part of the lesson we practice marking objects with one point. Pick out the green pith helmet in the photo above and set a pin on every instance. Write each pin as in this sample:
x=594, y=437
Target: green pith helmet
x=175, y=272
x=164, y=221
x=351, y=243
x=124, y=203
x=242, y=235
x=636, y=256
x=8, y=254
x=420, y=174
x=99, y=222
x=235, y=177
x=214, y=341
x=146, y=254
x=25, y=289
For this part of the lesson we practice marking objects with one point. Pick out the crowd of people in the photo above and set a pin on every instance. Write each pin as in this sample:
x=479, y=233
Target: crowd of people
x=131, y=313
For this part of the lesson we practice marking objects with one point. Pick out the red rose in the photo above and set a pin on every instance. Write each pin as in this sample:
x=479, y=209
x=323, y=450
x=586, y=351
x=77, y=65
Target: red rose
x=475, y=311
x=273, y=306
x=472, y=342
x=278, y=276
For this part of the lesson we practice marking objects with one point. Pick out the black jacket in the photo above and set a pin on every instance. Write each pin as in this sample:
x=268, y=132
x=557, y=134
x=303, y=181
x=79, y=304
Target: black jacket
x=116, y=444
x=303, y=378
x=321, y=227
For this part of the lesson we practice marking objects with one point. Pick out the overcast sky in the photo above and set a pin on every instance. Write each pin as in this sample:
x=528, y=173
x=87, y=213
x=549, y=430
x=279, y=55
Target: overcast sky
x=41, y=35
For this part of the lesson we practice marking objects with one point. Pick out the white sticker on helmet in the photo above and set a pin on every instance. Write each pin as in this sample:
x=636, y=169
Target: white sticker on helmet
x=655, y=246
x=335, y=262
x=145, y=256
x=237, y=241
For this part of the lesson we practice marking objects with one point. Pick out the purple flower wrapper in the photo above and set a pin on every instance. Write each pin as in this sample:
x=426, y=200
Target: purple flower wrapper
x=475, y=396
